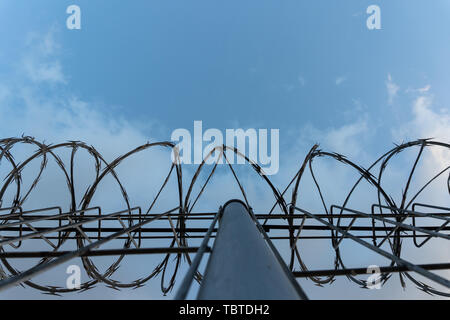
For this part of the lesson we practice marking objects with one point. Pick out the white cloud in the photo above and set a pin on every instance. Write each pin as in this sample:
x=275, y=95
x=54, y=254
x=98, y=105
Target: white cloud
x=422, y=90
x=348, y=138
x=340, y=80
x=425, y=122
x=40, y=63
x=56, y=115
x=289, y=87
x=392, y=89
x=44, y=71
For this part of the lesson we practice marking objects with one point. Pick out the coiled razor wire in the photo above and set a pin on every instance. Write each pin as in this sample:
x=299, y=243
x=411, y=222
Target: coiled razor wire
x=287, y=203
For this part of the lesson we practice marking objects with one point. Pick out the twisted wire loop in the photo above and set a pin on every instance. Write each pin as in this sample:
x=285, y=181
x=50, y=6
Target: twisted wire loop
x=401, y=211
x=132, y=219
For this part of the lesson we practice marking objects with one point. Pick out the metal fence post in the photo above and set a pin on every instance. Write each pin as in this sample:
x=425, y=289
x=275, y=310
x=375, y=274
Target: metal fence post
x=243, y=265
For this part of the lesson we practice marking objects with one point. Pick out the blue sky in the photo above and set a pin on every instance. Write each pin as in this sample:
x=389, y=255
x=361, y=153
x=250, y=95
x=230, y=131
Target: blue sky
x=138, y=70
x=227, y=63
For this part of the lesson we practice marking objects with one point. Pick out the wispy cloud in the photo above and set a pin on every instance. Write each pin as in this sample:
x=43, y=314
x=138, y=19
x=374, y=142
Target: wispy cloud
x=40, y=63
x=425, y=121
x=422, y=90
x=340, y=80
x=392, y=89
x=348, y=138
